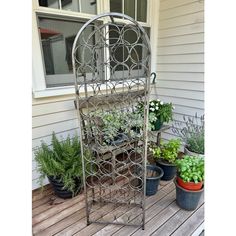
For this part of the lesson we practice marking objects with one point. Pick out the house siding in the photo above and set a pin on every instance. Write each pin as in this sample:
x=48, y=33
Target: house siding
x=180, y=58
x=56, y=114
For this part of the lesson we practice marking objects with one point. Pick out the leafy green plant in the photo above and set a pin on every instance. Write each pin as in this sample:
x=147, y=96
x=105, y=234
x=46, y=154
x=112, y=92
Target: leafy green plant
x=191, y=132
x=109, y=124
x=62, y=160
x=191, y=168
x=157, y=110
x=167, y=151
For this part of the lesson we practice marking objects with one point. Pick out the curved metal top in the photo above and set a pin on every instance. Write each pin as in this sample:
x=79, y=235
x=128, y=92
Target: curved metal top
x=108, y=14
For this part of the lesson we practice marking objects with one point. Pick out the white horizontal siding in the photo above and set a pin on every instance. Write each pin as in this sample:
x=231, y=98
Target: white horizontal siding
x=180, y=58
x=181, y=39
x=57, y=115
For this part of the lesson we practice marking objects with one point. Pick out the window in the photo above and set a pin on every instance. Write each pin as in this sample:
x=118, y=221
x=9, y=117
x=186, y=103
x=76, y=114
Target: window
x=56, y=25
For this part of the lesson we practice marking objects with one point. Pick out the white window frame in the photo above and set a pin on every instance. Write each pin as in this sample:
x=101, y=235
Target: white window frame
x=38, y=71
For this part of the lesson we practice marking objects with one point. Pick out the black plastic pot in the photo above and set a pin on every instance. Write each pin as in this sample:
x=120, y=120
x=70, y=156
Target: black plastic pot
x=152, y=183
x=60, y=191
x=169, y=169
x=187, y=199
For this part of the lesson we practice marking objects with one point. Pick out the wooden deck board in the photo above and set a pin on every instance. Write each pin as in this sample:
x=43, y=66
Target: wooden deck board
x=68, y=217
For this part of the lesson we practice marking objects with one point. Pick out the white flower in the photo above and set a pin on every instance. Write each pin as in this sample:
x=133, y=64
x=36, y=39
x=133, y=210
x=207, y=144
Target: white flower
x=157, y=107
x=173, y=107
x=161, y=103
x=158, y=100
x=152, y=109
x=152, y=103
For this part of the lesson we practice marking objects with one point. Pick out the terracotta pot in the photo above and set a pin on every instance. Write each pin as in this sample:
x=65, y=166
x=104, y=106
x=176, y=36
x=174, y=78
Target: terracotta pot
x=189, y=185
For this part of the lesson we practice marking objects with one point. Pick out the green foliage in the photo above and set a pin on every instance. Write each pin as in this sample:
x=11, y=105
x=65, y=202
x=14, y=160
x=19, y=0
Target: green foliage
x=192, y=133
x=157, y=110
x=61, y=160
x=167, y=151
x=113, y=122
x=191, y=168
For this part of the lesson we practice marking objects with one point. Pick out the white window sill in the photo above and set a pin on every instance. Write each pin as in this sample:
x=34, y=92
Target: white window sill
x=52, y=92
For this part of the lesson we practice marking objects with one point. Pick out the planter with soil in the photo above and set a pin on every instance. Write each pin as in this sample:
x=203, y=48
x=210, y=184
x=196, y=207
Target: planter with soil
x=154, y=174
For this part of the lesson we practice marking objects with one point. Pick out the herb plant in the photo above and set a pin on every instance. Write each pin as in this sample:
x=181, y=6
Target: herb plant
x=167, y=151
x=191, y=132
x=191, y=169
x=62, y=160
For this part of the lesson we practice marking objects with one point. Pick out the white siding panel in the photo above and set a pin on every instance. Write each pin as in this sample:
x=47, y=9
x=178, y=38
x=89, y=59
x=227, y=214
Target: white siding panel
x=197, y=77
x=53, y=107
x=180, y=58
x=181, y=67
x=185, y=58
x=183, y=85
x=182, y=20
x=182, y=30
x=181, y=49
x=178, y=93
x=181, y=10
x=168, y=4
x=181, y=39
x=54, y=118
x=57, y=127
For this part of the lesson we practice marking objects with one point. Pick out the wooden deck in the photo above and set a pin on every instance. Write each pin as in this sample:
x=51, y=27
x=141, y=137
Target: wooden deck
x=55, y=216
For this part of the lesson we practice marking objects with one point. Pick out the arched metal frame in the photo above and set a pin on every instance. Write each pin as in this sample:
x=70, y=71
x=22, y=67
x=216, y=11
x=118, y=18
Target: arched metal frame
x=111, y=65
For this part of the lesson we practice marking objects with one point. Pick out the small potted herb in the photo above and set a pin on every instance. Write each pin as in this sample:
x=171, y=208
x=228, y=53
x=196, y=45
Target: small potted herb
x=189, y=181
x=159, y=113
x=62, y=164
x=166, y=155
x=191, y=132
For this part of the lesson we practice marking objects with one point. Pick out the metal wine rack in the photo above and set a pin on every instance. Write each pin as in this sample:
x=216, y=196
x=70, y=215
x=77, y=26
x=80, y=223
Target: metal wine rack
x=111, y=64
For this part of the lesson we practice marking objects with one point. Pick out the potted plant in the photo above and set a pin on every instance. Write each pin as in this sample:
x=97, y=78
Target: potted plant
x=114, y=126
x=189, y=181
x=192, y=134
x=62, y=165
x=153, y=177
x=165, y=155
x=159, y=113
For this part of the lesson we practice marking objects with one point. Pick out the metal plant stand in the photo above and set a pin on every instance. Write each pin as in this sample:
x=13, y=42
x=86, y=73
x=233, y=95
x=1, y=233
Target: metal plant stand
x=111, y=63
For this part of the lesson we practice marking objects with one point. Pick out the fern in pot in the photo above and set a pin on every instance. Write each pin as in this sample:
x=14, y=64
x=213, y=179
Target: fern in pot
x=62, y=165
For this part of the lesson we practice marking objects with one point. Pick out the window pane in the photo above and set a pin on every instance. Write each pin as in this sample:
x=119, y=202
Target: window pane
x=116, y=6
x=57, y=37
x=89, y=6
x=142, y=10
x=129, y=8
x=123, y=58
x=70, y=5
x=49, y=3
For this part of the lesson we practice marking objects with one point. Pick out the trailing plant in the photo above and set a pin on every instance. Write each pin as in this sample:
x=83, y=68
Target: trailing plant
x=112, y=123
x=157, y=110
x=167, y=151
x=191, y=132
x=191, y=168
x=62, y=160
